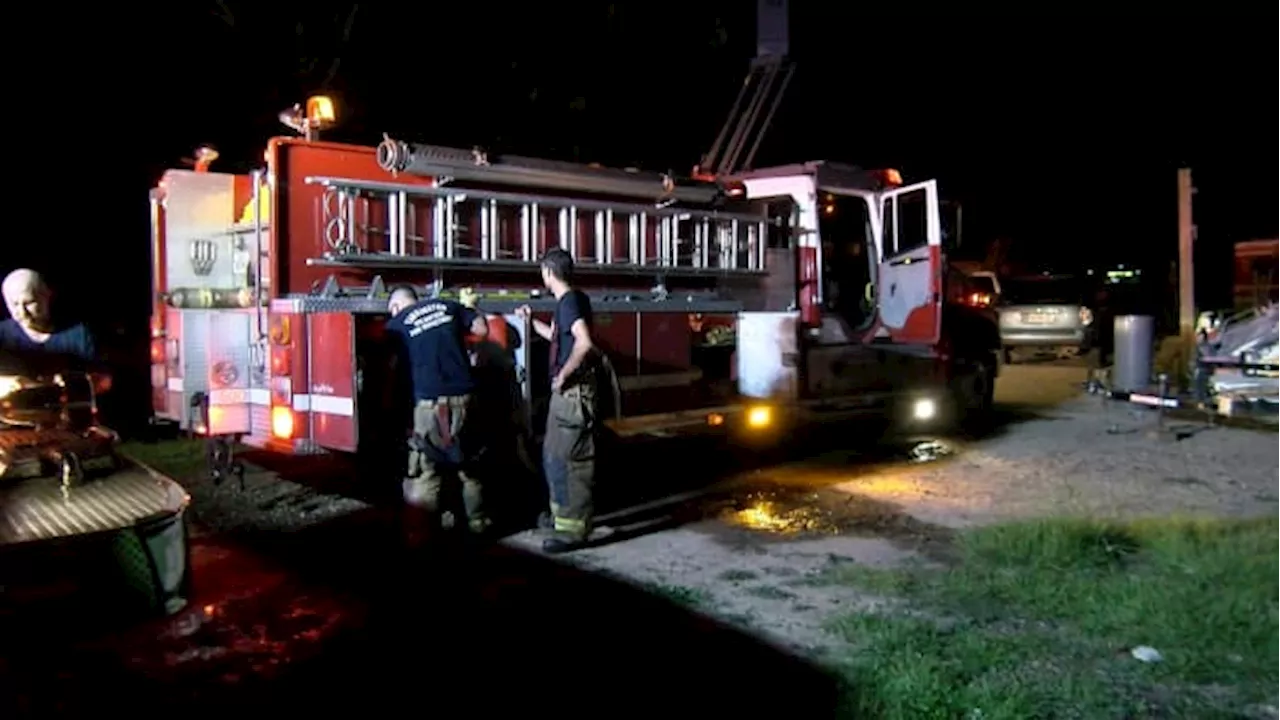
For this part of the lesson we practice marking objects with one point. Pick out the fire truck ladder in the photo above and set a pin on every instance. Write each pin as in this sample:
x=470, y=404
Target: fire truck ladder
x=476, y=165
x=765, y=84
x=386, y=225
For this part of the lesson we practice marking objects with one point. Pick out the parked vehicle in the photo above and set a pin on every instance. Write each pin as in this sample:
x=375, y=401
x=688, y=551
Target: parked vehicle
x=1044, y=313
x=982, y=289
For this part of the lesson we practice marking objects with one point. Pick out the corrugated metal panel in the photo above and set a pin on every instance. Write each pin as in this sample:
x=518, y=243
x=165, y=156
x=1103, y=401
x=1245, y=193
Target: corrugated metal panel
x=41, y=510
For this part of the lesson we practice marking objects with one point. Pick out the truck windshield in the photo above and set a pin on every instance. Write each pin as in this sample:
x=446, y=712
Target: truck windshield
x=1041, y=290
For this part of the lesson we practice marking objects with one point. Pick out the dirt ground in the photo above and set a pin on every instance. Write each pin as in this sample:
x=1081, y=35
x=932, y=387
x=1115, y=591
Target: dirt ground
x=306, y=577
x=752, y=559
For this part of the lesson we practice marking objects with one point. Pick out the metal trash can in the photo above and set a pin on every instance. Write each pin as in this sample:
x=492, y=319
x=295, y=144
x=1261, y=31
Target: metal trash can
x=1134, y=348
x=152, y=559
x=112, y=546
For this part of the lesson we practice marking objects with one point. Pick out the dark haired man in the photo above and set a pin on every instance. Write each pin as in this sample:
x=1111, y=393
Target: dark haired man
x=432, y=335
x=568, y=451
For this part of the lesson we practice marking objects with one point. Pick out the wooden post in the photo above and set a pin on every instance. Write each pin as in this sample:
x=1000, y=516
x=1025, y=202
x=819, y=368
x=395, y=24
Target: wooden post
x=1186, y=259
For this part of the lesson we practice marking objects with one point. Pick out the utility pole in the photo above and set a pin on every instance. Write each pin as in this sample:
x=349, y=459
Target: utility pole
x=1186, y=259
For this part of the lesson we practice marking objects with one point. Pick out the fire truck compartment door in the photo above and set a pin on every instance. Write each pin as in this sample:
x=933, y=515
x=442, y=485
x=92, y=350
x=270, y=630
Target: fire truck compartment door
x=331, y=338
x=228, y=366
x=767, y=355
x=909, y=286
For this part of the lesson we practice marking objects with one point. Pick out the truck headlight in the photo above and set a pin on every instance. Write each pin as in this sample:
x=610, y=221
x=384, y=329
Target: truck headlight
x=924, y=409
x=759, y=417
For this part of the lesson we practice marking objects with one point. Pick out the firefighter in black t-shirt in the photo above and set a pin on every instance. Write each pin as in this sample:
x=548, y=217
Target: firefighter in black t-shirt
x=569, y=448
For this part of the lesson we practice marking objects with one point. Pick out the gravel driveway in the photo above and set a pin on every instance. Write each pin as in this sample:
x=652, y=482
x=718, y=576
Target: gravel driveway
x=749, y=559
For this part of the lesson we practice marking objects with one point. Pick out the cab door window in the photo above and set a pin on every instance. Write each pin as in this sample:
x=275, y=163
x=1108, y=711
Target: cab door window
x=906, y=222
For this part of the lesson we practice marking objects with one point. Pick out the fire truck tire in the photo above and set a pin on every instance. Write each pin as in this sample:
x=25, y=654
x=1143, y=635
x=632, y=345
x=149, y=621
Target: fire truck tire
x=973, y=396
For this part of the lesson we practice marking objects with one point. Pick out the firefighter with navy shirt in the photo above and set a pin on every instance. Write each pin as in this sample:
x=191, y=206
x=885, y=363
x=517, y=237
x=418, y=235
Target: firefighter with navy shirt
x=568, y=451
x=432, y=335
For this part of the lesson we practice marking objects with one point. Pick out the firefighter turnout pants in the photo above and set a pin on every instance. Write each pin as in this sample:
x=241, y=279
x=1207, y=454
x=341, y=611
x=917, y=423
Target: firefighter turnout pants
x=437, y=451
x=568, y=459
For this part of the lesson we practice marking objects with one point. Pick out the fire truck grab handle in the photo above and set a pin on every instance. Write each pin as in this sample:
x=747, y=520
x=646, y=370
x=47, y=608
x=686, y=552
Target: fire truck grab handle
x=817, y=286
x=870, y=291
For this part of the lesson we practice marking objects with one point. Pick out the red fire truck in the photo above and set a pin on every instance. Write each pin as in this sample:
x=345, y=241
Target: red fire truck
x=749, y=303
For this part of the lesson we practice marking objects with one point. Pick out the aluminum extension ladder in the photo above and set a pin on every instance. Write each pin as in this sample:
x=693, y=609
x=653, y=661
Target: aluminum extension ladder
x=371, y=222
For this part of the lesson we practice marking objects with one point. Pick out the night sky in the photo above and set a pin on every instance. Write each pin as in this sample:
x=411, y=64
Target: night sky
x=1061, y=131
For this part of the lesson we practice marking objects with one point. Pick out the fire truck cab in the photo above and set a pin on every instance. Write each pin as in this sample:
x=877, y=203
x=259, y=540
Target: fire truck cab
x=746, y=305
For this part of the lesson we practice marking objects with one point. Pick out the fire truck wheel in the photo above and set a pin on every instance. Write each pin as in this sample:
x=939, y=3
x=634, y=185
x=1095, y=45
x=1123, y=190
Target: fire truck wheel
x=973, y=395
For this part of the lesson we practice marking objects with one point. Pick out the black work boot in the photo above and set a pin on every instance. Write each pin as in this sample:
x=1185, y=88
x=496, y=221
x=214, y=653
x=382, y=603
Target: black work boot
x=480, y=529
x=559, y=544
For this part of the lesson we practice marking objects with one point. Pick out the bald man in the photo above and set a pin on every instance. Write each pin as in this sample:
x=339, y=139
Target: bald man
x=31, y=333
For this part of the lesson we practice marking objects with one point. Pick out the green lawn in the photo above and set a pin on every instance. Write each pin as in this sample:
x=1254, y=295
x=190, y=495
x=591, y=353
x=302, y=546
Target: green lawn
x=1036, y=620
x=183, y=459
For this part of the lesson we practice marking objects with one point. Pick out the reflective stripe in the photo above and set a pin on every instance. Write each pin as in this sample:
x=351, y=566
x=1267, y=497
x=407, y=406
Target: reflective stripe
x=233, y=396
x=569, y=525
x=239, y=396
x=228, y=396
x=286, y=306
x=327, y=404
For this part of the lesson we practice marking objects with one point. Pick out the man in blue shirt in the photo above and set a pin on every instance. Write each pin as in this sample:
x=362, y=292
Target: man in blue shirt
x=432, y=337
x=568, y=449
x=31, y=335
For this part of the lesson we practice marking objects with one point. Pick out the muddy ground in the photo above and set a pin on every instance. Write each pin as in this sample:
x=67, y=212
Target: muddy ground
x=763, y=536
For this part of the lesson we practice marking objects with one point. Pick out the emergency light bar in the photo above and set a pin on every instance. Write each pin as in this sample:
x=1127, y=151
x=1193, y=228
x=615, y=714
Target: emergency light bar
x=318, y=114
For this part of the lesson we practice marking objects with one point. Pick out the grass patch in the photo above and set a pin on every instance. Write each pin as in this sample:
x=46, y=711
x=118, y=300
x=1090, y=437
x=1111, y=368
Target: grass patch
x=679, y=594
x=1035, y=620
x=182, y=459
